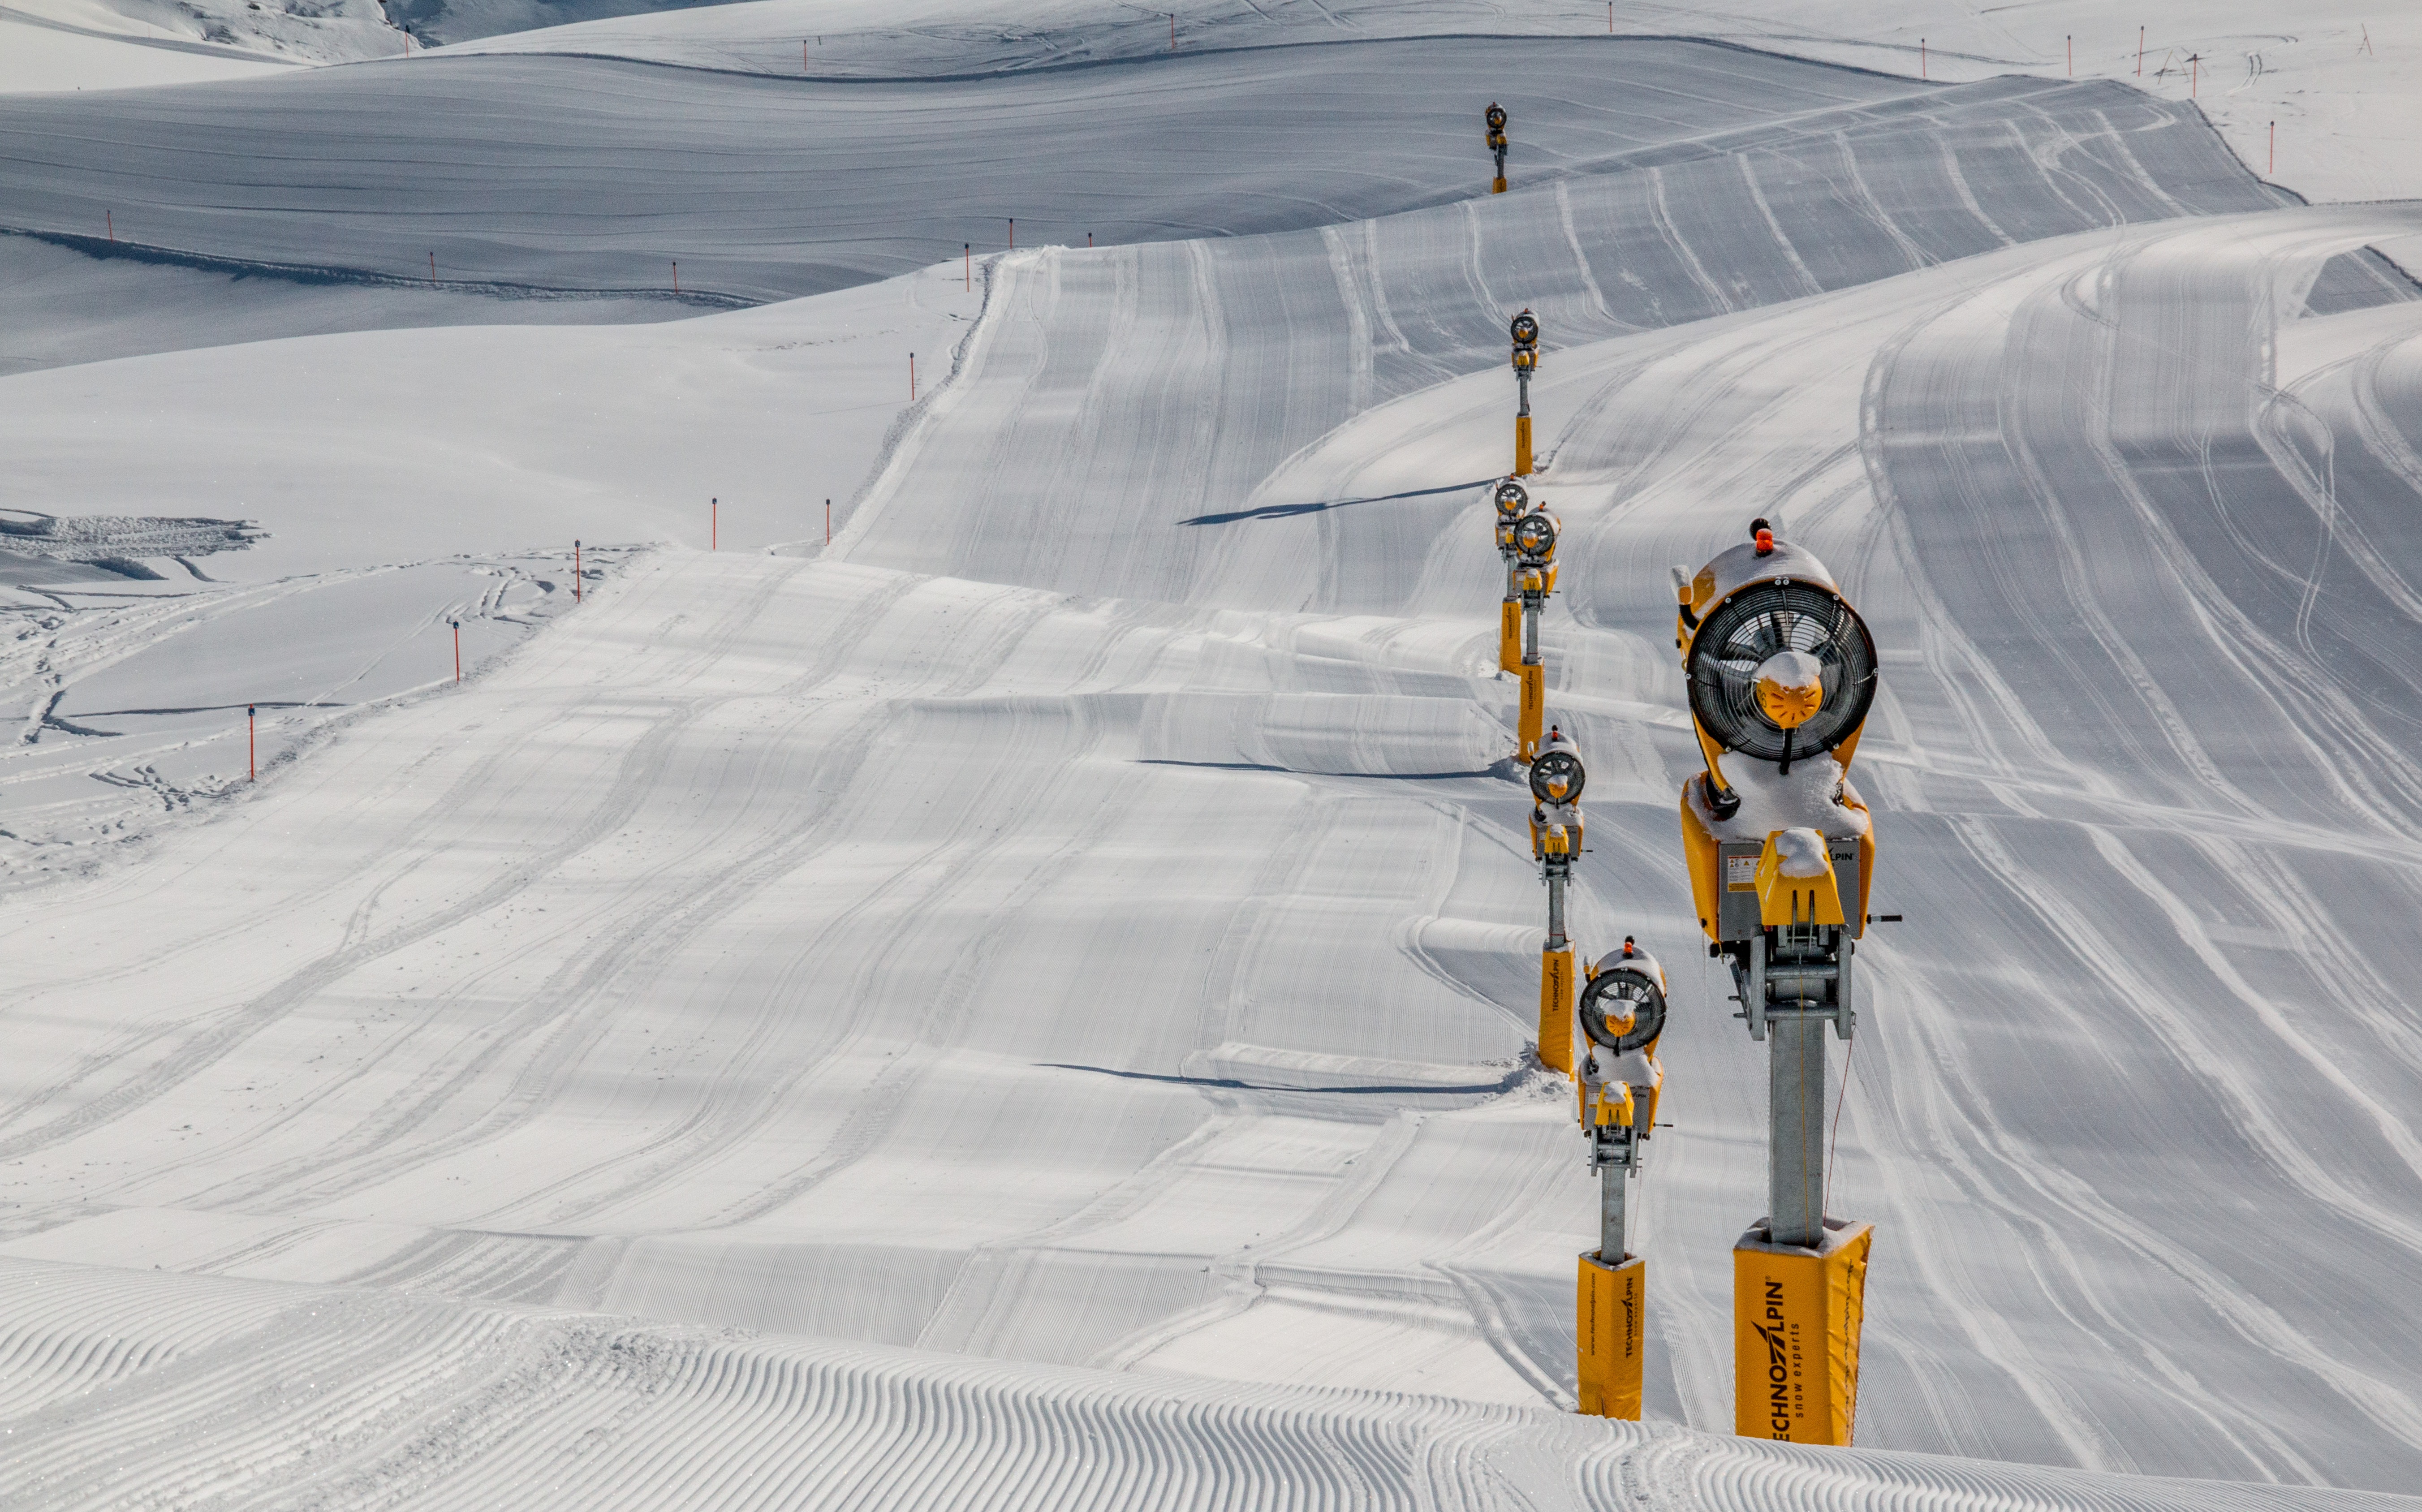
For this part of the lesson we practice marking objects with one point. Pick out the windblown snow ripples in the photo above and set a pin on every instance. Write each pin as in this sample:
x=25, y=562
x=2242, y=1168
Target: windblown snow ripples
x=244, y=1389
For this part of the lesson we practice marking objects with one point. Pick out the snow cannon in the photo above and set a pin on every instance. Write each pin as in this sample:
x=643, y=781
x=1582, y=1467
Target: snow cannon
x=1513, y=502
x=1534, y=578
x=1496, y=118
x=1622, y=1012
x=1557, y=778
x=1526, y=362
x=1781, y=672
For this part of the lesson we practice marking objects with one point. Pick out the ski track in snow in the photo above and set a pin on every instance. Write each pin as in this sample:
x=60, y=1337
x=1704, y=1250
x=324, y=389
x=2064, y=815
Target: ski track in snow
x=1063, y=958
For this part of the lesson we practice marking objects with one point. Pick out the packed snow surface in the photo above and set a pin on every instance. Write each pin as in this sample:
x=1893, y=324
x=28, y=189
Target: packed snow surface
x=1027, y=1004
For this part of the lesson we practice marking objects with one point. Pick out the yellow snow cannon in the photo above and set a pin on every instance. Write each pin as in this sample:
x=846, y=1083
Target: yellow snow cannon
x=1495, y=119
x=1622, y=1012
x=1557, y=778
x=1526, y=362
x=1513, y=502
x=1781, y=672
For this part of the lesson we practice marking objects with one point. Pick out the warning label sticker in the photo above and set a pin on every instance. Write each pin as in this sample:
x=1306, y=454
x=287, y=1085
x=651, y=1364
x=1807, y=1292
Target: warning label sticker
x=1740, y=874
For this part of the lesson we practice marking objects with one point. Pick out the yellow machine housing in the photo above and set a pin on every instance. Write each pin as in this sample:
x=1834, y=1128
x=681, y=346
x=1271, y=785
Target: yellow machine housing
x=1723, y=858
x=1811, y=897
x=1725, y=874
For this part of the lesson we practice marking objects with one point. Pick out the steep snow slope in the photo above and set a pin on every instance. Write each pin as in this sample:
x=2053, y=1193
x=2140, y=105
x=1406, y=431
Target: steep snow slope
x=501, y=190
x=115, y=45
x=2142, y=1056
x=670, y=1056
x=576, y=175
x=902, y=950
x=2339, y=81
x=514, y=189
x=393, y=482
x=65, y=301
x=1255, y=347
x=41, y=54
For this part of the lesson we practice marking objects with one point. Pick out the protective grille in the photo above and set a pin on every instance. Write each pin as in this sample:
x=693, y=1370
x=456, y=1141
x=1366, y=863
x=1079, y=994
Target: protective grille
x=1553, y=764
x=1633, y=994
x=1754, y=624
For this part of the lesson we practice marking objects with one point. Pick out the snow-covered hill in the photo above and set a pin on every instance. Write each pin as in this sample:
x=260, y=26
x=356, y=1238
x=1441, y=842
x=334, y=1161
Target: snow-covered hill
x=1026, y=1005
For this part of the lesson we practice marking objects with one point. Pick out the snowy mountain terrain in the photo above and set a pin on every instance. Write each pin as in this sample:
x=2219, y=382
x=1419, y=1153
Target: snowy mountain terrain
x=1027, y=1004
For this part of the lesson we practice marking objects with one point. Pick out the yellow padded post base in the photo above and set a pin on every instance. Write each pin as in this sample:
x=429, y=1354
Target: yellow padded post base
x=1796, y=1319
x=1556, y=1009
x=1497, y=187
x=1509, y=635
x=1521, y=446
x=1610, y=1304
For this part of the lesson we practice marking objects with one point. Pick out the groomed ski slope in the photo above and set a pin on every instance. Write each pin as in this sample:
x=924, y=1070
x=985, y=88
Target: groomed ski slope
x=2336, y=77
x=573, y=186
x=1055, y=967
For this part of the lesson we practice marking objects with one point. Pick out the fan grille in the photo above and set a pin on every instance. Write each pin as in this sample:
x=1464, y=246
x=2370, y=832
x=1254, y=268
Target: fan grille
x=1549, y=765
x=1753, y=625
x=1641, y=999
x=1534, y=535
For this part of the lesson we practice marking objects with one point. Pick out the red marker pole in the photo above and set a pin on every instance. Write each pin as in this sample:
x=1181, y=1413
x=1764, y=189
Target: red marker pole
x=1920, y=58
x=432, y=270
x=970, y=255
x=828, y=522
x=676, y=277
x=2195, y=73
x=1013, y=234
x=714, y=524
x=2073, y=56
x=111, y=218
x=575, y=572
x=2140, y=52
x=2272, y=172
x=458, y=649
x=1172, y=31
x=1089, y=239
x=912, y=377
x=251, y=765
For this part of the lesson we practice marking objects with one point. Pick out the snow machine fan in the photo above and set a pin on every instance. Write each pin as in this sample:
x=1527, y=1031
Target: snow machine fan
x=1513, y=502
x=1534, y=537
x=1615, y=994
x=1496, y=117
x=1526, y=329
x=1557, y=776
x=1780, y=670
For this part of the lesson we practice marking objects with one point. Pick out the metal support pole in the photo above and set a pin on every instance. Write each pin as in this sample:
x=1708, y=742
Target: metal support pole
x=1556, y=940
x=1531, y=629
x=1522, y=424
x=1796, y=1161
x=1610, y=1239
